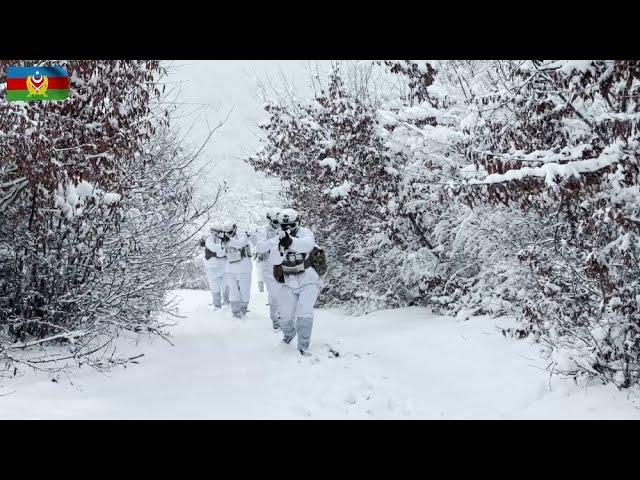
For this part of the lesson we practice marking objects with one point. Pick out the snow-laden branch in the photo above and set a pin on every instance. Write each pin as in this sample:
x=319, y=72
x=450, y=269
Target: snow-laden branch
x=550, y=172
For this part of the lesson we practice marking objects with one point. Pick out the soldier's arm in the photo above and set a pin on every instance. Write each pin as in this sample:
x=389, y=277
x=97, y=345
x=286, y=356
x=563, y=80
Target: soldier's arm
x=266, y=245
x=238, y=242
x=214, y=247
x=276, y=257
x=304, y=242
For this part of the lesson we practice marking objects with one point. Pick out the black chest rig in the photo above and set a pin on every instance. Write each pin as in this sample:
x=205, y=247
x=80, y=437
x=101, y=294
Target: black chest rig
x=294, y=262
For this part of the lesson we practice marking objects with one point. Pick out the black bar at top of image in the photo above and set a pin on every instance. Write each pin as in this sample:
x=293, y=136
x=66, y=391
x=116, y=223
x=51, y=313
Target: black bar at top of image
x=269, y=32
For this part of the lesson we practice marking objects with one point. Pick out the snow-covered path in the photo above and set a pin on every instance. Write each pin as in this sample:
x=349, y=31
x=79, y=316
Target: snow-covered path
x=399, y=364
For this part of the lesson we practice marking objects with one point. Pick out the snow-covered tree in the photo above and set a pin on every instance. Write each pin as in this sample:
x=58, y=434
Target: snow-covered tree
x=438, y=251
x=95, y=208
x=328, y=154
x=481, y=187
x=563, y=140
x=378, y=198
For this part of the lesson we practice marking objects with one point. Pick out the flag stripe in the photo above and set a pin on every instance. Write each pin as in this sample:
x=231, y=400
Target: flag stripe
x=23, y=95
x=24, y=72
x=55, y=83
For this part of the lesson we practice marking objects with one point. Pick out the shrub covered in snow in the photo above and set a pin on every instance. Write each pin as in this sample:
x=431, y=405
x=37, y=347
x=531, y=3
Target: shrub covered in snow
x=96, y=208
x=494, y=187
x=326, y=150
x=565, y=143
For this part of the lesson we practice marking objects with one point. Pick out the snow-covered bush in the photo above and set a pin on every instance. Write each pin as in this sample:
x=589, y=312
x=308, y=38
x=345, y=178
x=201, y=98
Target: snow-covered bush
x=563, y=141
x=439, y=251
x=327, y=153
x=191, y=274
x=373, y=179
x=500, y=187
x=95, y=214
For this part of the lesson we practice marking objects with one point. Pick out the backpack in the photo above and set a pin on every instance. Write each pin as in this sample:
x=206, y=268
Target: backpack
x=278, y=274
x=318, y=260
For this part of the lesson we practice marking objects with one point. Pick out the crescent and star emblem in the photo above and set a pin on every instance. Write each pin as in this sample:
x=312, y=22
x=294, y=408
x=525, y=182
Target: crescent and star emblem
x=37, y=84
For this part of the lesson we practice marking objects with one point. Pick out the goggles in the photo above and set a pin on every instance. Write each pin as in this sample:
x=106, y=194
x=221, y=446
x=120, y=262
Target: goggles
x=288, y=226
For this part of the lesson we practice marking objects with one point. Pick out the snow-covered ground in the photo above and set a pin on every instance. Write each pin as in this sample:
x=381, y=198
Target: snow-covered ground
x=398, y=364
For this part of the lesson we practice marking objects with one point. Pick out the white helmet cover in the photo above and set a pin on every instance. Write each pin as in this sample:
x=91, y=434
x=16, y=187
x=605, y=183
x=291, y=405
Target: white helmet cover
x=272, y=216
x=289, y=219
x=272, y=213
x=216, y=227
x=229, y=228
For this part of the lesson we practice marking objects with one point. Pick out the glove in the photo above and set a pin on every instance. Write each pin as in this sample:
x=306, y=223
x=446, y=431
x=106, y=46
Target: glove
x=286, y=241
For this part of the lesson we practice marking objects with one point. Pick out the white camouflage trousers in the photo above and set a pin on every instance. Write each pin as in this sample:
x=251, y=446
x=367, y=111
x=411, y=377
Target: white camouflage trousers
x=239, y=292
x=273, y=292
x=217, y=284
x=297, y=304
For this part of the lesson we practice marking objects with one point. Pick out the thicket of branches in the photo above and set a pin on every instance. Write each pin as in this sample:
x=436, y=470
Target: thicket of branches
x=328, y=154
x=564, y=143
x=502, y=187
x=96, y=213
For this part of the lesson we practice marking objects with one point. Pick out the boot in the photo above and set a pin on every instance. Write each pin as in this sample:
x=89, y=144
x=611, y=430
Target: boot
x=236, y=308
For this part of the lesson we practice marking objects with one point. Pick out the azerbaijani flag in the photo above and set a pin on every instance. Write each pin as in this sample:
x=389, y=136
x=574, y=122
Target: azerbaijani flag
x=28, y=84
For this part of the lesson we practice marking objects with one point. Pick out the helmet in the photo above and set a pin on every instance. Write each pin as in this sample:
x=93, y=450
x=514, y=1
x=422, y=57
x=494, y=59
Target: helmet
x=229, y=228
x=289, y=219
x=272, y=216
x=215, y=227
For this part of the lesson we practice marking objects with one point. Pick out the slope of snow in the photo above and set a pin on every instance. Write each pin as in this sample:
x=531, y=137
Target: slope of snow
x=400, y=364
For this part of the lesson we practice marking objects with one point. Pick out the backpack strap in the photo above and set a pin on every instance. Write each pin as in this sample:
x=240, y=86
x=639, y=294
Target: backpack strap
x=308, y=261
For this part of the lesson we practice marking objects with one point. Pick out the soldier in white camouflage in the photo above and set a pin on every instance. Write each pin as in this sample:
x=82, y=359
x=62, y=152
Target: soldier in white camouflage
x=264, y=238
x=237, y=268
x=292, y=252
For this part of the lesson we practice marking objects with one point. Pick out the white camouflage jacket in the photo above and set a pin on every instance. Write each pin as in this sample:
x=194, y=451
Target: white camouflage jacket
x=303, y=242
x=232, y=249
x=218, y=262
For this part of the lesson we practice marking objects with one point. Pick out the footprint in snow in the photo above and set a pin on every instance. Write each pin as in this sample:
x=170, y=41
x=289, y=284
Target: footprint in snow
x=350, y=398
